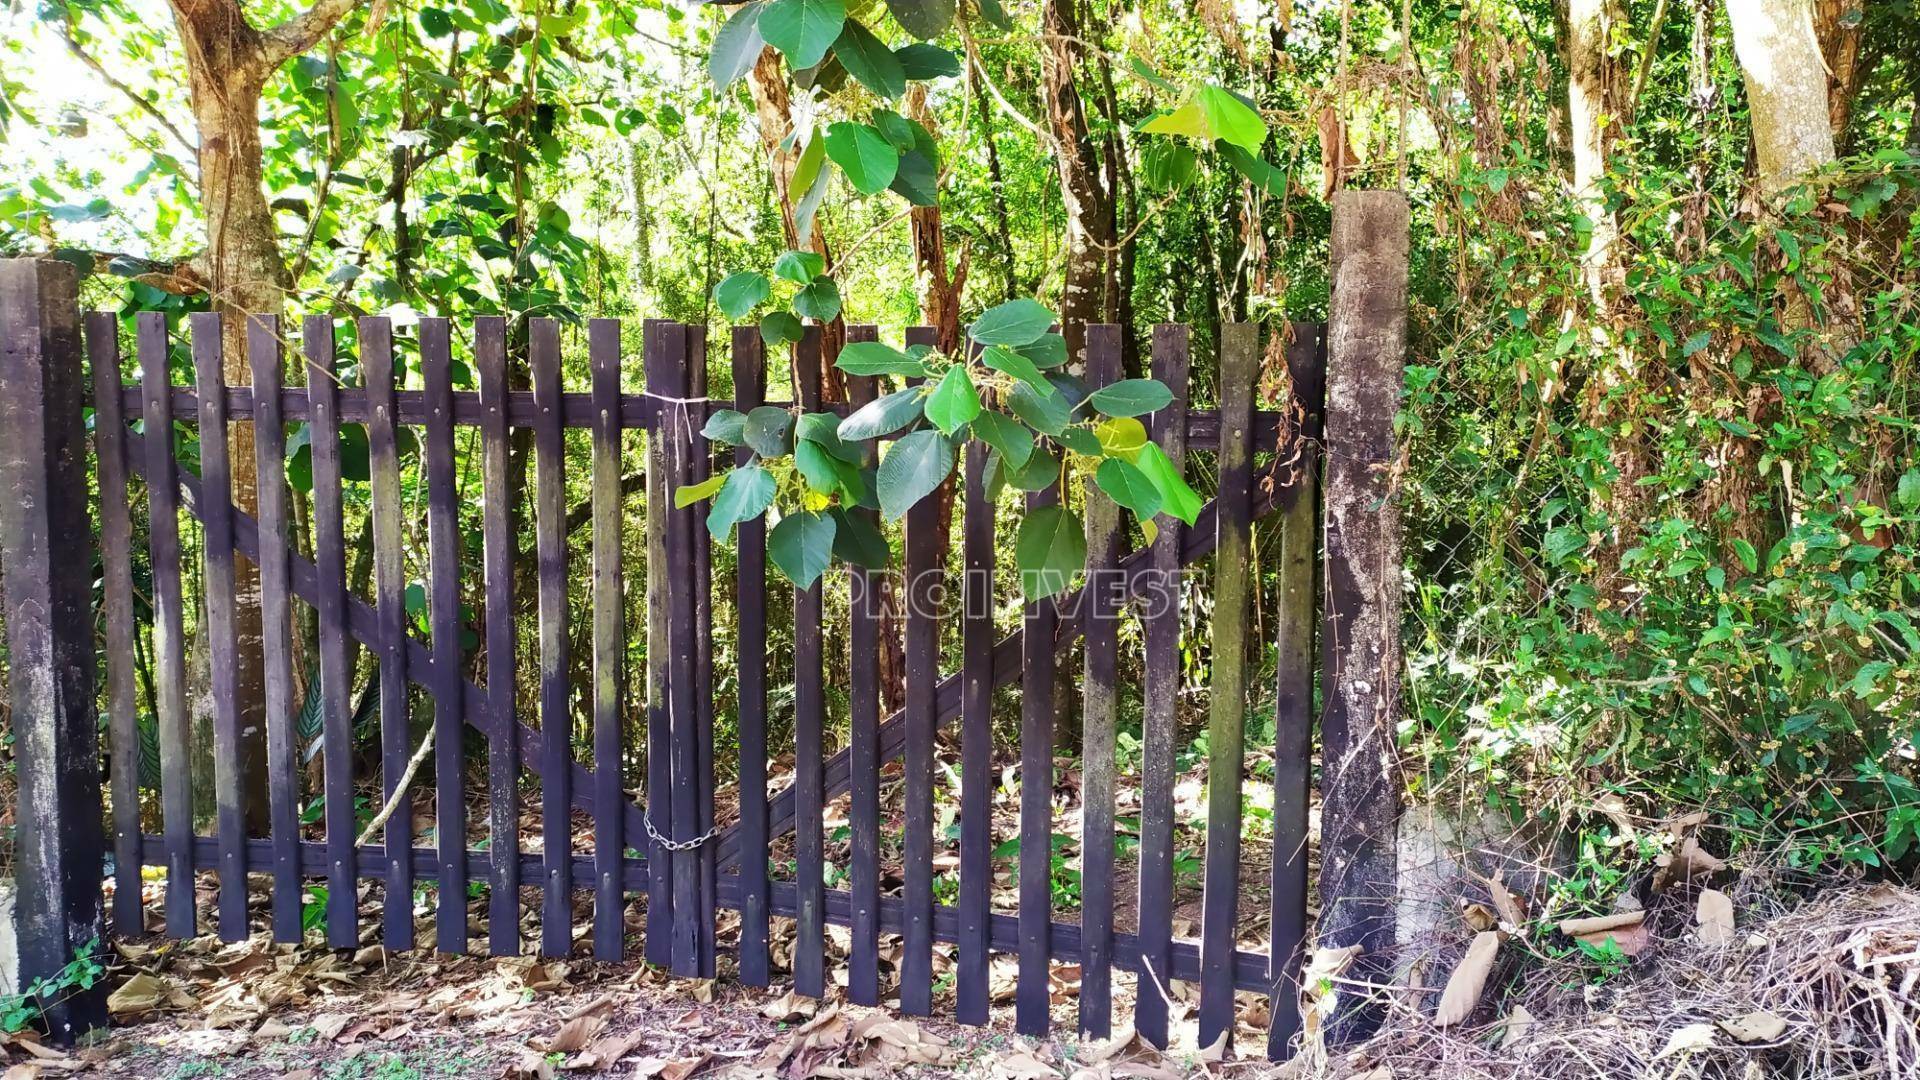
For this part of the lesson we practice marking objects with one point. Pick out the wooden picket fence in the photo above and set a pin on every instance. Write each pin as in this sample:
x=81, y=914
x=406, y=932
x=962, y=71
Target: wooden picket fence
x=687, y=855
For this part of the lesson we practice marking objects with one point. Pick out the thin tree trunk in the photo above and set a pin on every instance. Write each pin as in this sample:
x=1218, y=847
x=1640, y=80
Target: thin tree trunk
x=1089, y=206
x=1786, y=89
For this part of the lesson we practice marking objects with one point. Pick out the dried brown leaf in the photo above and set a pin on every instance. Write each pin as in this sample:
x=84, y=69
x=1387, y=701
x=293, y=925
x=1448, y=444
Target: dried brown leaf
x=1469, y=978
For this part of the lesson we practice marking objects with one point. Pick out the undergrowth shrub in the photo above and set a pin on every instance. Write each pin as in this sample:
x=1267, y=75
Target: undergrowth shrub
x=1663, y=541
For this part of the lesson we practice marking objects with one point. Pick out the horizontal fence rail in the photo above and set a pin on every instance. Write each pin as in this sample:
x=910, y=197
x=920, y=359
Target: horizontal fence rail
x=421, y=744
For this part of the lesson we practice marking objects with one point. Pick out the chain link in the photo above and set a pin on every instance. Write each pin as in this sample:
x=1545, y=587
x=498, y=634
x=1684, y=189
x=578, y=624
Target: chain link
x=677, y=845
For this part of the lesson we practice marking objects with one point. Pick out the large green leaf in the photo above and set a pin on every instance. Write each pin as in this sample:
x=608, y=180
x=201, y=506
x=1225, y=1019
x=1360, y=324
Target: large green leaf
x=1005, y=360
x=1041, y=472
x=917, y=180
x=911, y=470
x=1132, y=397
x=726, y=426
x=801, y=545
x=1129, y=487
x=779, y=327
x=1176, y=497
x=882, y=416
x=922, y=18
x=806, y=174
x=802, y=29
x=799, y=267
x=873, y=358
x=1268, y=179
x=736, y=47
x=1046, y=351
x=769, y=431
x=1232, y=120
x=865, y=155
x=741, y=293
x=746, y=495
x=1047, y=413
x=688, y=494
x=859, y=541
x=921, y=61
x=1051, y=547
x=818, y=466
x=954, y=403
x=868, y=60
x=1016, y=322
x=823, y=428
x=820, y=300
x=1011, y=439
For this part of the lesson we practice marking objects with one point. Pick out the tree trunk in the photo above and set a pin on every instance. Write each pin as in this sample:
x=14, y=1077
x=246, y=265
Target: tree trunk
x=1089, y=205
x=1594, y=92
x=1786, y=89
x=247, y=277
x=773, y=106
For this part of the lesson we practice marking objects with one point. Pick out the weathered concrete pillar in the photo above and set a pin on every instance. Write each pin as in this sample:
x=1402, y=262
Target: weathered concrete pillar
x=1360, y=776
x=47, y=591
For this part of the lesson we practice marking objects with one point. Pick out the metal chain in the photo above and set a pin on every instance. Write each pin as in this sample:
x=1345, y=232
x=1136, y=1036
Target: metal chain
x=676, y=845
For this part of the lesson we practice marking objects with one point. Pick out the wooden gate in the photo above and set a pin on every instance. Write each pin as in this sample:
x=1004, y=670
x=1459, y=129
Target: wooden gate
x=349, y=760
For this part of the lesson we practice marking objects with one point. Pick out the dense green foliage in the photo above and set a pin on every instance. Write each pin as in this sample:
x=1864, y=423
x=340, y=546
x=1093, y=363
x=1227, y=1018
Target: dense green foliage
x=1662, y=538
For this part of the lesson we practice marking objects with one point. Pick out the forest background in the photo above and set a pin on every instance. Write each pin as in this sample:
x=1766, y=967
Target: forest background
x=1658, y=466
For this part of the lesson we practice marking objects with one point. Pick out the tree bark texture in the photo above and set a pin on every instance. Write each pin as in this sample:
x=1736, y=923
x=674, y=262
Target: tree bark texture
x=1360, y=785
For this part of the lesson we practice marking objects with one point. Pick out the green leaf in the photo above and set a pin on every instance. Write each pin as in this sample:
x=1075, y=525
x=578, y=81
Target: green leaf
x=818, y=467
x=954, y=403
x=922, y=18
x=1047, y=351
x=1232, y=120
x=1132, y=397
x=869, y=61
x=1748, y=557
x=688, y=494
x=1908, y=489
x=726, y=426
x=735, y=47
x=1176, y=497
x=803, y=30
x=1048, y=414
x=779, y=327
x=801, y=545
x=800, y=267
x=873, y=358
x=1041, y=472
x=806, y=176
x=917, y=180
x=820, y=300
x=1080, y=440
x=1168, y=165
x=1011, y=440
x=898, y=130
x=1121, y=437
x=912, y=469
x=921, y=62
x=741, y=293
x=1005, y=360
x=823, y=428
x=994, y=13
x=865, y=155
x=859, y=541
x=882, y=416
x=1016, y=322
x=1129, y=487
x=1266, y=177
x=747, y=494
x=769, y=431
x=1050, y=548
x=1186, y=120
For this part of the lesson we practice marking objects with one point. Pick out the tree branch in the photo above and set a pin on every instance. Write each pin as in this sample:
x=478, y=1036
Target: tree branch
x=148, y=107
x=296, y=35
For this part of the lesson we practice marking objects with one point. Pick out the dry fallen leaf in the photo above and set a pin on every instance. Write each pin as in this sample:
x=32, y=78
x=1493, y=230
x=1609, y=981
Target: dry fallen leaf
x=1690, y=1039
x=1509, y=907
x=789, y=1006
x=1519, y=1024
x=1758, y=1027
x=575, y=1034
x=1462, y=994
x=1714, y=916
x=140, y=994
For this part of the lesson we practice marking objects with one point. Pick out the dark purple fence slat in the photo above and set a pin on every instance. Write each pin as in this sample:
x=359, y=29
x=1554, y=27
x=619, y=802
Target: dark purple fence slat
x=750, y=647
x=169, y=650
x=926, y=547
x=264, y=357
x=809, y=722
x=503, y=750
x=609, y=643
x=1159, y=722
x=116, y=588
x=330, y=562
x=390, y=602
x=556, y=713
x=443, y=614
x=863, y=742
